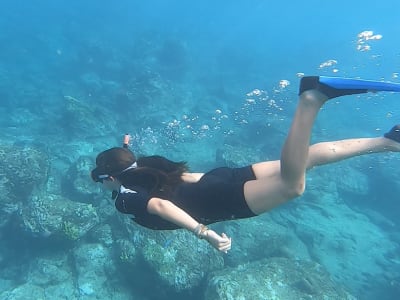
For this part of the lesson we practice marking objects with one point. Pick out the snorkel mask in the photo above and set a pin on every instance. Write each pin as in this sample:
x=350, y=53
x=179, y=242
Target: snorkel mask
x=110, y=162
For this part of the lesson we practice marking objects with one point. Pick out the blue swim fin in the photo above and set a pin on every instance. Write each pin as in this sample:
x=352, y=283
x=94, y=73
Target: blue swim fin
x=370, y=85
x=338, y=86
x=394, y=133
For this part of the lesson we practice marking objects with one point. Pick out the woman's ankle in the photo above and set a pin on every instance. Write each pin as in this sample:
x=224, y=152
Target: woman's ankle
x=313, y=98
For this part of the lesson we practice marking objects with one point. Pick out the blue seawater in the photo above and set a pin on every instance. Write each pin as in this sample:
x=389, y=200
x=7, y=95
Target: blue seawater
x=209, y=82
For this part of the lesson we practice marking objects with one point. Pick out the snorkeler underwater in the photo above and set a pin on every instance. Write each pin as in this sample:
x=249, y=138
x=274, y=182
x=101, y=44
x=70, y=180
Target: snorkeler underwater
x=260, y=160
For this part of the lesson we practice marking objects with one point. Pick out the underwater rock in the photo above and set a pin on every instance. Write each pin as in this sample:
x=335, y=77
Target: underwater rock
x=49, y=215
x=77, y=183
x=23, y=292
x=275, y=278
x=345, y=242
x=55, y=275
x=350, y=180
x=22, y=170
x=86, y=272
x=49, y=270
x=78, y=116
x=180, y=259
x=6, y=285
x=94, y=266
x=262, y=237
x=127, y=252
x=81, y=118
x=341, y=178
x=103, y=234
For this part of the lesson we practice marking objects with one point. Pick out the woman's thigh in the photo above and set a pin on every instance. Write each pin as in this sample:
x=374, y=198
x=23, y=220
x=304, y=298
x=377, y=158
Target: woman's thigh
x=267, y=169
x=268, y=190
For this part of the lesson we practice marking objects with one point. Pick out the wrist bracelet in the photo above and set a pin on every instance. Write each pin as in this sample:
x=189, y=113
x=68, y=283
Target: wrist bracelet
x=201, y=231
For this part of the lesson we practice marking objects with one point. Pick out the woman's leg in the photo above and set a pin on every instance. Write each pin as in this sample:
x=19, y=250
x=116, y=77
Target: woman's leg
x=286, y=178
x=330, y=152
x=279, y=181
x=262, y=195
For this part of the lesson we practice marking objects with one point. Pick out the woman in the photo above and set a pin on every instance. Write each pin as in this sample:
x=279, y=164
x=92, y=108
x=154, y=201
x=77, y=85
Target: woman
x=161, y=194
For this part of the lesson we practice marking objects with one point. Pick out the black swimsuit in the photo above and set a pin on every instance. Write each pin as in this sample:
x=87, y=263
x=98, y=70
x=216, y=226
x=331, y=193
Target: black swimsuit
x=217, y=196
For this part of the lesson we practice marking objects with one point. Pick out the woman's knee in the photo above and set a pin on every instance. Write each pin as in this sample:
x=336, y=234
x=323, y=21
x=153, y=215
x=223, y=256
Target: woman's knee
x=294, y=190
x=313, y=98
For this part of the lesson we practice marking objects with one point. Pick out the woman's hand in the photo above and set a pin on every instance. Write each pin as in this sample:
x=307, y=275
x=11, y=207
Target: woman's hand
x=172, y=213
x=219, y=242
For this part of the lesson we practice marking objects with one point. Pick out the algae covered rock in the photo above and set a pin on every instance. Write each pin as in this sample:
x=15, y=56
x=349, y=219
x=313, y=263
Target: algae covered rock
x=23, y=292
x=348, y=179
x=47, y=271
x=126, y=251
x=47, y=215
x=95, y=271
x=78, y=184
x=54, y=274
x=276, y=278
x=180, y=260
x=261, y=237
x=22, y=169
x=103, y=233
x=352, y=248
x=80, y=118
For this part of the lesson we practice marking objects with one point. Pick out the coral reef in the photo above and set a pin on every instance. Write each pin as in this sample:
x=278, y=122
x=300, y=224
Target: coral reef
x=49, y=215
x=22, y=170
x=261, y=237
x=179, y=259
x=274, y=278
x=81, y=119
x=77, y=184
x=50, y=275
x=93, y=264
x=345, y=242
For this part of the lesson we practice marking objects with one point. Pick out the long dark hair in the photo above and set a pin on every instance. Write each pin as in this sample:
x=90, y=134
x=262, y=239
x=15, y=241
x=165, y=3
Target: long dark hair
x=157, y=174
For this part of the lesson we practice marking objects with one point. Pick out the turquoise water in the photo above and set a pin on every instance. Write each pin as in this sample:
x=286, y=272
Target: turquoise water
x=213, y=83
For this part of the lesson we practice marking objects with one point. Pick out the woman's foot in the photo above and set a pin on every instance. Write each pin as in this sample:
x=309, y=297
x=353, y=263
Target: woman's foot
x=394, y=136
x=313, y=83
x=339, y=86
x=394, y=133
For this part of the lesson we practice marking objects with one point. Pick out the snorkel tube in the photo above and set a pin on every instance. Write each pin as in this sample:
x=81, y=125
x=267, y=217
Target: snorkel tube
x=125, y=143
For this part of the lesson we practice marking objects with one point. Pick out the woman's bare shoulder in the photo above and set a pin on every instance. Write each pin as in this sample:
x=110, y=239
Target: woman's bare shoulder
x=192, y=177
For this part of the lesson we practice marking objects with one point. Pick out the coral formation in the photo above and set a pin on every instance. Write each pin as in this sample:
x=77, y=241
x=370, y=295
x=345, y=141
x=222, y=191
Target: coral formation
x=274, y=278
x=162, y=251
x=52, y=215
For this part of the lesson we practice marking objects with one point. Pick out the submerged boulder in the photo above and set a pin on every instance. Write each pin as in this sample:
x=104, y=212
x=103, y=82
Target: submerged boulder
x=276, y=278
x=52, y=215
x=93, y=264
x=177, y=260
x=23, y=292
x=22, y=170
x=180, y=260
x=77, y=184
x=54, y=274
x=261, y=237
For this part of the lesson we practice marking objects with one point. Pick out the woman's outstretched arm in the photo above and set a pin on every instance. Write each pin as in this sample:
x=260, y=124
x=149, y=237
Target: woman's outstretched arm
x=172, y=213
